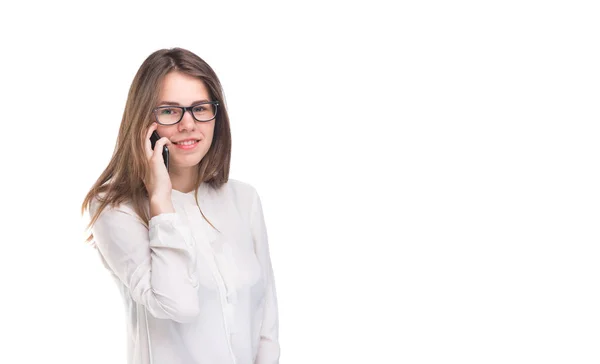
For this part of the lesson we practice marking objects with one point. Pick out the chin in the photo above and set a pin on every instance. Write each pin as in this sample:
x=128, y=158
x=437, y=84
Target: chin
x=188, y=161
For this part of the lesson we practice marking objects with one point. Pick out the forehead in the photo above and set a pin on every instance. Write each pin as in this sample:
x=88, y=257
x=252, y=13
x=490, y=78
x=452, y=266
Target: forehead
x=182, y=88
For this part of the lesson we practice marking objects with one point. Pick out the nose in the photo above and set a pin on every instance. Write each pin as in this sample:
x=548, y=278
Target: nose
x=187, y=123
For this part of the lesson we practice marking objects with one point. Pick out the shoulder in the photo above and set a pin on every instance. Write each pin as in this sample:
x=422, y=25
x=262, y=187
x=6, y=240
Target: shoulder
x=238, y=189
x=123, y=208
x=243, y=194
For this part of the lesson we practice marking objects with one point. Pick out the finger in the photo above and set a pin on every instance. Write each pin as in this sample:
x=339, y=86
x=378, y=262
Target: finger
x=158, y=148
x=168, y=141
x=147, y=143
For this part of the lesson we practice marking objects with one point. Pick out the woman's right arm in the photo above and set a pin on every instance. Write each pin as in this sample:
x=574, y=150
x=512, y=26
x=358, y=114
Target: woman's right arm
x=157, y=265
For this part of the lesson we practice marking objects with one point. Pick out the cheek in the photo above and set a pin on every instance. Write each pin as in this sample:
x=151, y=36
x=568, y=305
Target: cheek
x=165, y=131
x=208, y=131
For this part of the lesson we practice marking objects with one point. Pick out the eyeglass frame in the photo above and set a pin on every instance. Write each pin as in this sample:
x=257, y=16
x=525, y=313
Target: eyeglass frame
x=186, y=109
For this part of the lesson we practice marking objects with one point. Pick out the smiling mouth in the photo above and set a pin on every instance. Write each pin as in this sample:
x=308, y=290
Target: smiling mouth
x=187, y=142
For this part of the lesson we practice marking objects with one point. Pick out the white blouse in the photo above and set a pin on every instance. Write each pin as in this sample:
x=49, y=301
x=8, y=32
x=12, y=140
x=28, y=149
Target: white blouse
x=193, y=294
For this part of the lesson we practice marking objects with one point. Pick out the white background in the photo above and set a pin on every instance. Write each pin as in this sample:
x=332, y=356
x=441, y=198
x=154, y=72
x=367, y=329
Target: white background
x=429, y=171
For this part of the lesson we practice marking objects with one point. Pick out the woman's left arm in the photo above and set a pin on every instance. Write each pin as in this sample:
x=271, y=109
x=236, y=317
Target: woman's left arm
x=268, y=347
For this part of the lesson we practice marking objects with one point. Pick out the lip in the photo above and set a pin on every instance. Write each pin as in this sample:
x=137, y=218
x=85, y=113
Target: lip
x=187, y=146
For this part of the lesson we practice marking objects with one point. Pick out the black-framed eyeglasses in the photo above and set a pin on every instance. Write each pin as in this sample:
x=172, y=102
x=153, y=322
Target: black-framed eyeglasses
x=169, y=115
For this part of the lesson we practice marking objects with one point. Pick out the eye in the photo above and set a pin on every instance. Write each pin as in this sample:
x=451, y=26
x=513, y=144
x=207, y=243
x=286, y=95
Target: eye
x=199, y=108
x=169, y=111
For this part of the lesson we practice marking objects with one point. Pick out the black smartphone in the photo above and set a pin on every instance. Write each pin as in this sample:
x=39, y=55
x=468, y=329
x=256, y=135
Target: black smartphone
x=153, y=139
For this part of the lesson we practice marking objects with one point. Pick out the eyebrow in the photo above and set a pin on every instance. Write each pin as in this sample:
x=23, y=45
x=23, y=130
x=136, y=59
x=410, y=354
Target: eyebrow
x=177, y=104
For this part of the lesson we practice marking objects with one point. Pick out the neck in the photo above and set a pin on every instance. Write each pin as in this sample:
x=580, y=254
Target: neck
x=183, y=179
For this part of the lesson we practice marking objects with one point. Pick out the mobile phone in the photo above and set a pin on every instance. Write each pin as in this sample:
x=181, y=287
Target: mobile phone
x=165, y=153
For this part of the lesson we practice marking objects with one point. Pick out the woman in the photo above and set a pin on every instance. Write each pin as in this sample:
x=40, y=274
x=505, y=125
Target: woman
x=186, y=245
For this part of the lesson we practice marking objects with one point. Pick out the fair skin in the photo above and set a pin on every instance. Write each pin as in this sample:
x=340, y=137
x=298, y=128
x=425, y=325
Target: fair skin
x=188, y=142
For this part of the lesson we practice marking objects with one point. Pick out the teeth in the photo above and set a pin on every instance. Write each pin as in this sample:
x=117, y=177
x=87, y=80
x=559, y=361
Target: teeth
x=187, y=142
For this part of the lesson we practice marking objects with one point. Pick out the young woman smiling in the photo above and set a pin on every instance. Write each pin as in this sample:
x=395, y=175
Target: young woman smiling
x=186, y=246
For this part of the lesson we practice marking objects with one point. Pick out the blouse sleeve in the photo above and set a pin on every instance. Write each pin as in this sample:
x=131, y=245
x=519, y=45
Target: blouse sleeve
x=156, y=264
x=269, y=349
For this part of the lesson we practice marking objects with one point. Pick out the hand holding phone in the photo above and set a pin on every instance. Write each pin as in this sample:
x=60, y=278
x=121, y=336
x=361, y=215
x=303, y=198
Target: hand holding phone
x=157, y=179
x=165, y=153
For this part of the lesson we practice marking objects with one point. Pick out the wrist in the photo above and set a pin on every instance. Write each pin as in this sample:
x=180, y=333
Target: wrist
x=160, y=206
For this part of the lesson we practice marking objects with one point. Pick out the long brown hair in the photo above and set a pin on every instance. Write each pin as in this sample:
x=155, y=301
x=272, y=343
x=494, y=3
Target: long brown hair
x=121, y=180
